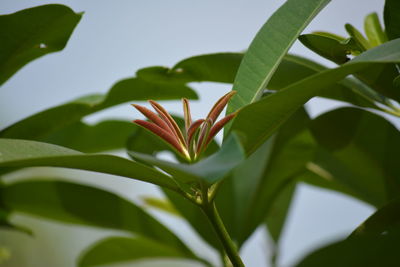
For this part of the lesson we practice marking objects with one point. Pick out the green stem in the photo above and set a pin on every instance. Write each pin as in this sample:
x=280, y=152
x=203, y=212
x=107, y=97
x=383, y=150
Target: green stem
x=211, y=211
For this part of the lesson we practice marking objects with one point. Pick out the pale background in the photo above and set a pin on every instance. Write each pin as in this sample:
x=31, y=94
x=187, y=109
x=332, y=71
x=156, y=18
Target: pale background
x=112, y=41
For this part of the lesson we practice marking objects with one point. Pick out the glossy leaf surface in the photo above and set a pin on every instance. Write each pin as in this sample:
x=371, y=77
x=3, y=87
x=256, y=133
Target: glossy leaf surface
x=268, y=48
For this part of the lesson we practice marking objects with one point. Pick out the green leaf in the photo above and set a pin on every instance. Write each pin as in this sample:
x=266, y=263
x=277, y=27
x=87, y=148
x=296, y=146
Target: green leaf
x=103, y=136
x=373, y=30
x=380, y=250
x=196, y=217
x=358, y=37
x=365, y=163
x=222, y=67
x=295, y=68
x=85, y=205
x=269, y=47
x=211, y=169
x=21, y=153
x=326, y=47
x=258, y=182
x=258, y=121
x=42, y=125
x=160, y=204
x=391, y=18
x=218, y=67
x=32, y=33
x=127, y=249
x=276, y=217
x=386, y=218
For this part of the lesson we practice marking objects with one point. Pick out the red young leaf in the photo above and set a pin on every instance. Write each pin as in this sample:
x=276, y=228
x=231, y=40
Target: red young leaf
x=153, y=117
x=168, y=137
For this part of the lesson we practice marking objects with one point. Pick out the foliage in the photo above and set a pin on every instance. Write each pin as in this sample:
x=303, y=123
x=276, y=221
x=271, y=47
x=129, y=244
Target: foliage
x=272, y=141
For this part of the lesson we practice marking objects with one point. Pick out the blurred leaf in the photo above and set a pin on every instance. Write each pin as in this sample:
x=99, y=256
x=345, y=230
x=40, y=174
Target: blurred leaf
x=211, y=169
x=22, y=153
x=31, y=33
x=268, y=48
x=85, y=205
x=161, y=204
x=127, y=249
x=391, y=17
x=326, y=47
x=273, y=110
x=365, y=163
x=380, y=250
x=374, y=31
x=358, y=37
x=196, y=217
x=380, y=78
x=42, y=125
x=103, y=136
x=386, y=218
x=276, y=218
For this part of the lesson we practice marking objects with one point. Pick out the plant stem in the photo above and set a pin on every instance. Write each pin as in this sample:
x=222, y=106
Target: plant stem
x=211, y=211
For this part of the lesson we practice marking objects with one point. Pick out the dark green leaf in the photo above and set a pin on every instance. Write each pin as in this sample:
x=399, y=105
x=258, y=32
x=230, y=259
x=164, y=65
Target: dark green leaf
x=268, y=48
x=270, y=112
x=21, y=153
x=391, y=17
x=326, y=47
x=84, y=205
x=295, y=68
x=386, y=218
x=258, y=182
x=103, y=136
x=127, y=249
x=219, y=67
x=222, y=67
x=365, y=163
x=32, y=33
x=381, y=250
